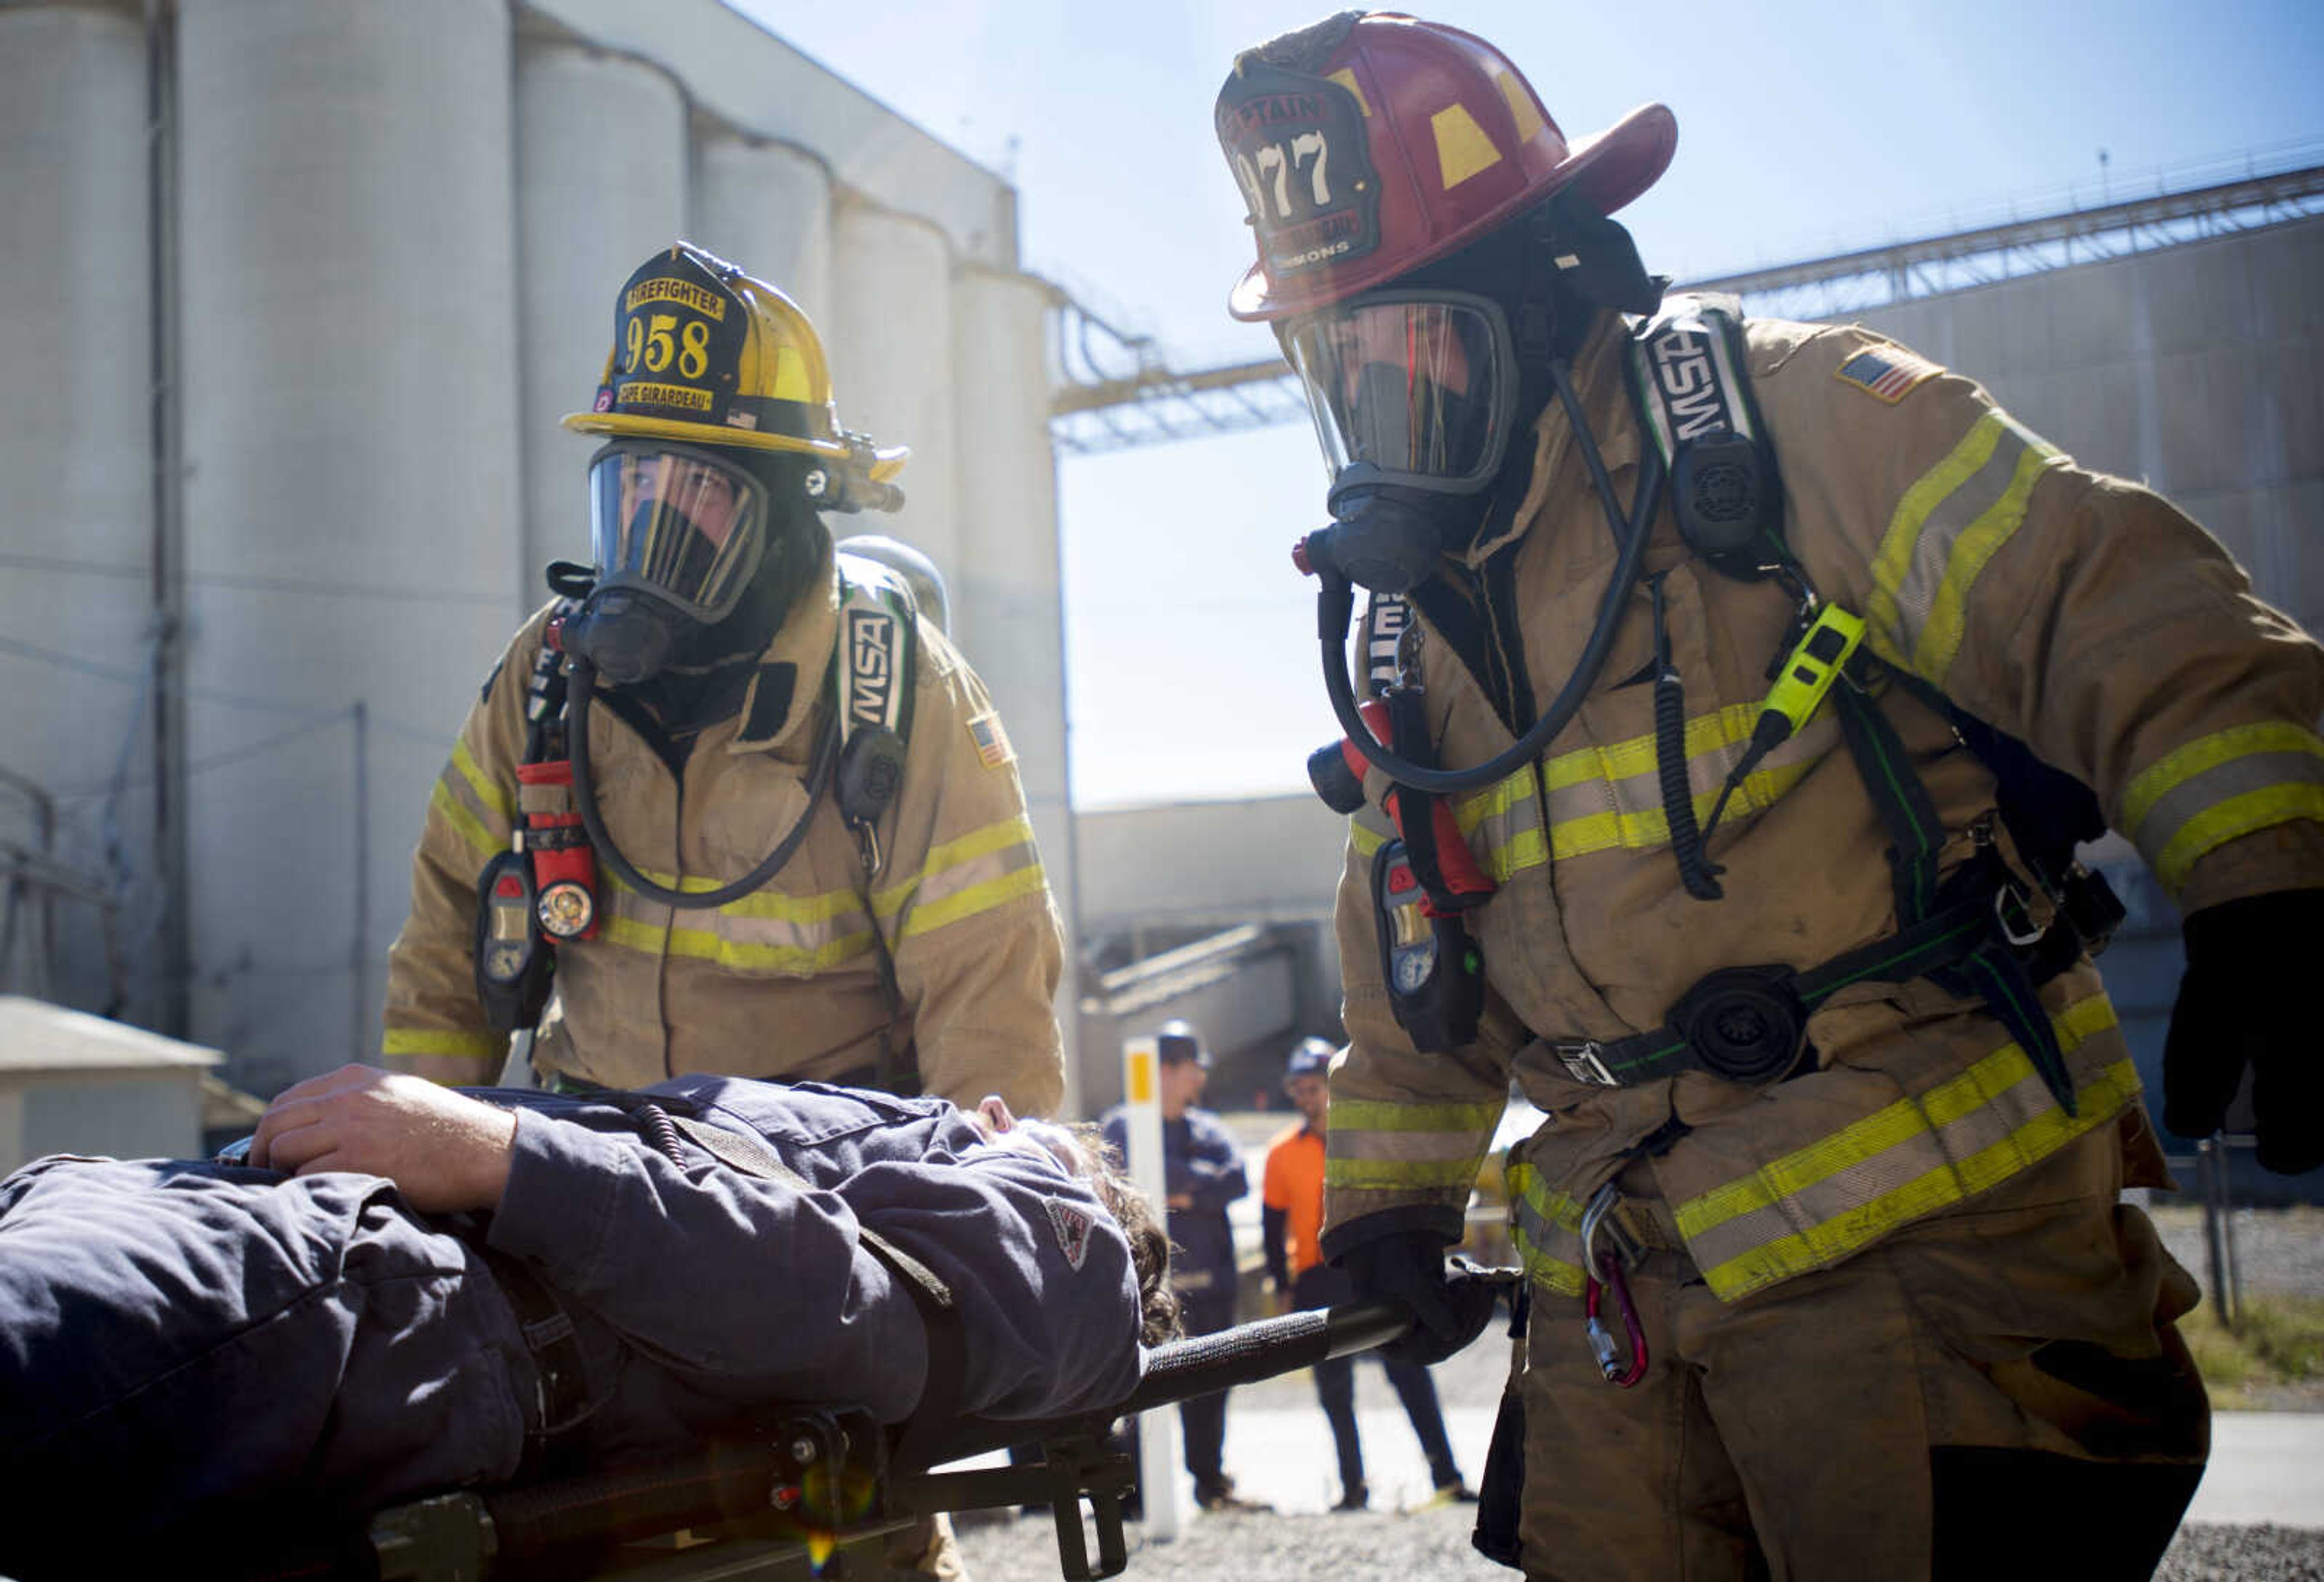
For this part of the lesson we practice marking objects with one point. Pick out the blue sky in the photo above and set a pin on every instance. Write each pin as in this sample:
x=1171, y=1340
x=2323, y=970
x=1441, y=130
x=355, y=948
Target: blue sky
x=1805, y=127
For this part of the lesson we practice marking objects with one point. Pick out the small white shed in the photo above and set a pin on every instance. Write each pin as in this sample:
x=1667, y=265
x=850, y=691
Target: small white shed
x=74, y=1083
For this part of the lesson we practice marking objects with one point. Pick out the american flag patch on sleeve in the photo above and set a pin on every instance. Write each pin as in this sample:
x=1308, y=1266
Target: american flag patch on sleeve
x=993, y=748
x=1886, y=372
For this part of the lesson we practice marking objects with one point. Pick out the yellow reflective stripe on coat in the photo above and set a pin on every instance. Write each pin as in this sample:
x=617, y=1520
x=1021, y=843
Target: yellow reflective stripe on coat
x=1601, y=798
x=1546, y=1226
x=1502, y=824
x=1421, y=1148
x=1609, y=798
x=475, y=806
x=1367, y=829
x=2222, y=787
x=1952, y=520
x=766, y=930
x=1820, y=1204
x=965, y=876
x=438, y=1041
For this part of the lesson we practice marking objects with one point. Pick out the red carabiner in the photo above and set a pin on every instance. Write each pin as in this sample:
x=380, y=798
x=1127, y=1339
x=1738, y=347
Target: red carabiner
x=1601, y=1343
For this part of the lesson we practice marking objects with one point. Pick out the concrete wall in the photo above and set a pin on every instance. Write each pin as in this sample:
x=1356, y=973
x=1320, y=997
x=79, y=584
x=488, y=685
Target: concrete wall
x=1274, y=859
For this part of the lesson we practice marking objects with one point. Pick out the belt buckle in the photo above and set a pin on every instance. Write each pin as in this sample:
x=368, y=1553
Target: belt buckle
x=1583, y=1059
x=2007, y=895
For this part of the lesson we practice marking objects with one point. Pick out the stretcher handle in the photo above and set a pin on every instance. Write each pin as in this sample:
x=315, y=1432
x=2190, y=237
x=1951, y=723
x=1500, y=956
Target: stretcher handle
x=1183, y=1369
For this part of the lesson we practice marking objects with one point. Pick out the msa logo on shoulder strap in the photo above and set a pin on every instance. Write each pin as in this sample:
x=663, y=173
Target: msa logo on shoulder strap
x=1385, y=624
x=1686, y=369
x=878, y=652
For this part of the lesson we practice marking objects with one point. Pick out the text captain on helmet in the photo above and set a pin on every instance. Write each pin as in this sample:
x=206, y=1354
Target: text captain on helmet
x=1828, y=1273
x=785, y=837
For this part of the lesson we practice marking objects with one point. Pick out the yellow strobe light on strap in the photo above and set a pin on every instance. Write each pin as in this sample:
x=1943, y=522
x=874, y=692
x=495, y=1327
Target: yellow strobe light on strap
x=1806, y=680
x=1813, y=664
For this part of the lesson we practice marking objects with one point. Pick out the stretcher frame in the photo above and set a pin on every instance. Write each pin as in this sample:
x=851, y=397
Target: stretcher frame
x=815, y=1495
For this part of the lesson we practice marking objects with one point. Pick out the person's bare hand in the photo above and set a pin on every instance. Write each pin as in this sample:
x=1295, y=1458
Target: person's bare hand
x=445, y=1151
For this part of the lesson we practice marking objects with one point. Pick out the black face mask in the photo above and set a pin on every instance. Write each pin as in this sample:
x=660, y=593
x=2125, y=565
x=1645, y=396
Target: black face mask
x=633, y=638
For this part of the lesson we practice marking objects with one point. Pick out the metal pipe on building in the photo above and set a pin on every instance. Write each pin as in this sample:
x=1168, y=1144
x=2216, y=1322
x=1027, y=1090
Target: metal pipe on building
x=351, y=514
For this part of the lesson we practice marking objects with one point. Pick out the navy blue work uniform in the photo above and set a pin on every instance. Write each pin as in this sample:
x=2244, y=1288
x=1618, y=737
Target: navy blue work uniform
x=1200, y=1162
x=179, y=1339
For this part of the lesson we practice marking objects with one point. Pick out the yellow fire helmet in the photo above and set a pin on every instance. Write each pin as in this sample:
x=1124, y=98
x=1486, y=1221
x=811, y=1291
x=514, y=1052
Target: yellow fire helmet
x=704, y=354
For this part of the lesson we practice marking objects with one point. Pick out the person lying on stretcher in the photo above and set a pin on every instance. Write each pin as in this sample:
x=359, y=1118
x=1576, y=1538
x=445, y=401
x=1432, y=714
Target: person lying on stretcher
x=410, y=1288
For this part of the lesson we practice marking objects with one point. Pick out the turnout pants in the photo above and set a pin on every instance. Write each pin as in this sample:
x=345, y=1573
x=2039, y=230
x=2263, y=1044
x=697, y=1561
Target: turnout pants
x=1995, y=1393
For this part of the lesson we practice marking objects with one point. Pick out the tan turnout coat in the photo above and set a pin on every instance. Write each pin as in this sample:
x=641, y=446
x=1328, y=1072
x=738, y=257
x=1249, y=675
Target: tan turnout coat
x=782, y=982
x=2079, y=613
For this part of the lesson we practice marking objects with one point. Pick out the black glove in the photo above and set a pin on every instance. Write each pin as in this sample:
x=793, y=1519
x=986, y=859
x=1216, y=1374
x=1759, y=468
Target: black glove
x=2248, y=998
x=1407, y=1266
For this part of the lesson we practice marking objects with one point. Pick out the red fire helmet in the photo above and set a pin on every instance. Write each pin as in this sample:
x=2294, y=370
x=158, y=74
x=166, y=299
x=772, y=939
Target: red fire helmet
x=1374, y=142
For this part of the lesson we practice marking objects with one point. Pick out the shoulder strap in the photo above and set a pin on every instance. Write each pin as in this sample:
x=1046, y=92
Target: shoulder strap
x=875, y=665
x=878, y=649
x=1691, y=384
x=545, y=692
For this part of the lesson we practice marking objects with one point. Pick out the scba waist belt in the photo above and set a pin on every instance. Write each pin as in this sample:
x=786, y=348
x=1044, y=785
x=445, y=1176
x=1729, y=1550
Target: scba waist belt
x=1749, y=1024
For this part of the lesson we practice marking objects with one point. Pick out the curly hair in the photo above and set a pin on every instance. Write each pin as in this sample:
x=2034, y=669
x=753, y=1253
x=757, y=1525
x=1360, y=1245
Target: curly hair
x=1149, y=1244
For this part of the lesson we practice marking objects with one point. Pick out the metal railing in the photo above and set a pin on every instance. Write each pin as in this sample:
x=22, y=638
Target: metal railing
x=2209, y=1164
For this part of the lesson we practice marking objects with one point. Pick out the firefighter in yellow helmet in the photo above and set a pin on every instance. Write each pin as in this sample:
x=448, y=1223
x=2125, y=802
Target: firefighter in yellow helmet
x=1829, y=1275
x=728, y=804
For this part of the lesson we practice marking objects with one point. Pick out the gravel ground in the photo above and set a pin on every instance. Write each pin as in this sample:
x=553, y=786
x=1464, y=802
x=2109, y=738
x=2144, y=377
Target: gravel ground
x=1434, y=1544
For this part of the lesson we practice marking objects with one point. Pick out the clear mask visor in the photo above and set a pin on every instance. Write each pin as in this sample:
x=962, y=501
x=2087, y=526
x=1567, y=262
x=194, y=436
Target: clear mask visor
x=678, y=521
x=1420, y=387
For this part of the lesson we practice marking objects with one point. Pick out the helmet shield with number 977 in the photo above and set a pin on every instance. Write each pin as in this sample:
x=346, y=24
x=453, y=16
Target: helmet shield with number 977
x=1296, y=146
x=1372, y=142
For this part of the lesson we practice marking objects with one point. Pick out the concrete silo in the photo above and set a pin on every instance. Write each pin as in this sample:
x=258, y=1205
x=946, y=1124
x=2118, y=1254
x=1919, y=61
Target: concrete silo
x=601, y=181
x=1007, y=577
x=350, y=493
x=767, y=206
x=890, y=346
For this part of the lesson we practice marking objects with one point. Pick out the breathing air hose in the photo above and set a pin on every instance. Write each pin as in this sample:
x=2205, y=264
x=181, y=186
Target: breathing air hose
x=1335, y=606
x=582, y=681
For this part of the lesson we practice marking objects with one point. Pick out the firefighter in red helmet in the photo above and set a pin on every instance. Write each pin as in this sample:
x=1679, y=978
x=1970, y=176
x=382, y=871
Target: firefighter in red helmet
x=1730, y=809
